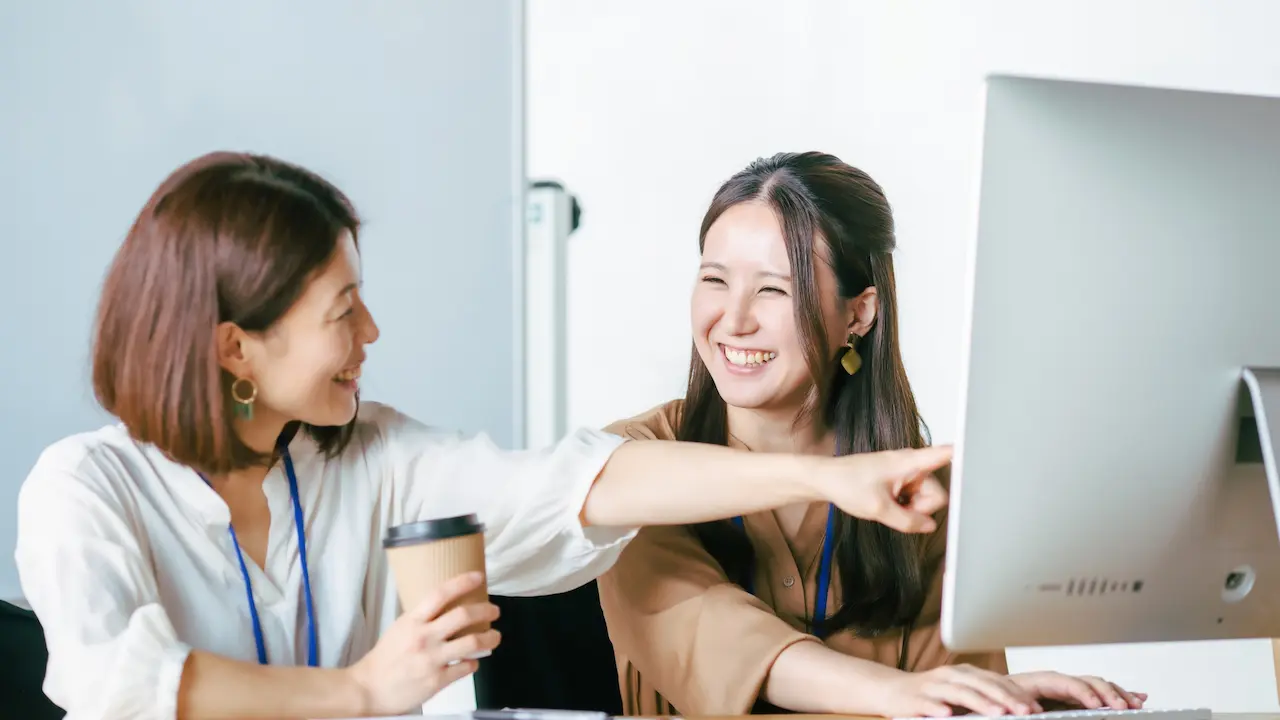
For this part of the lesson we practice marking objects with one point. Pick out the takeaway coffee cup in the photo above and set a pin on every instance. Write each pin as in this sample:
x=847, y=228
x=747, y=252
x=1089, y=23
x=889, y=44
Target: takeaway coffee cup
x=424, y=555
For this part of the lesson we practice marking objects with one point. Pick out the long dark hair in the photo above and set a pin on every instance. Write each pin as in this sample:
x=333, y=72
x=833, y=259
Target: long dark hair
x=819, y=198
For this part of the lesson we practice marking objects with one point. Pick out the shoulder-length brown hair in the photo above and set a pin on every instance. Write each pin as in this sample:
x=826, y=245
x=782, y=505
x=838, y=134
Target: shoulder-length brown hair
x=227, y=237
x=818, y=197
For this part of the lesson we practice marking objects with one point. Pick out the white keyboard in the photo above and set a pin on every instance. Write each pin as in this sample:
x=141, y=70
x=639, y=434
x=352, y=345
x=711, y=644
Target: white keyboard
x=1198, y=714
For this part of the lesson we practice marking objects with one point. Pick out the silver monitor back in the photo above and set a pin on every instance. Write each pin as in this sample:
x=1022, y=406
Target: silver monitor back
x=1109, y=483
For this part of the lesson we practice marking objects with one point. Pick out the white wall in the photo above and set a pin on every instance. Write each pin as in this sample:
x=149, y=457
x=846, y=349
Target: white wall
x=413, y=108
x=643, y=108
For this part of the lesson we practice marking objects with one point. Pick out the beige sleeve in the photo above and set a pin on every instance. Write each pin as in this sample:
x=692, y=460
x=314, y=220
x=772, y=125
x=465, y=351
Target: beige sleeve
x=701, y=641
x=705, y=644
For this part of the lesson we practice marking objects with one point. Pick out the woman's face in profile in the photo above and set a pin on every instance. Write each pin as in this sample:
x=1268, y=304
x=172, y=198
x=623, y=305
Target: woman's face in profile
x=743, y=311
x=307, y=366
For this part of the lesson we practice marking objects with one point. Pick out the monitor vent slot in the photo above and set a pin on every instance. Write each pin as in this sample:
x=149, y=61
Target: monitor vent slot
x=1099, y=586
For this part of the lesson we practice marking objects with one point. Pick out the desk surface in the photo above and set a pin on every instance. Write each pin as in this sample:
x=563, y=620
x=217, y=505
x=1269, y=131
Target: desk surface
x=1216, y=715
x=1222, y=716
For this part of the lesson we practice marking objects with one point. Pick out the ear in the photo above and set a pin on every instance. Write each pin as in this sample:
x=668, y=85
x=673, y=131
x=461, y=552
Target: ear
x=231, y=344
x=862, y=311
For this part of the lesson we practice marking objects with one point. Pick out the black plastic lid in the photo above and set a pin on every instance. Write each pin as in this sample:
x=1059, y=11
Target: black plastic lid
x=436, y=529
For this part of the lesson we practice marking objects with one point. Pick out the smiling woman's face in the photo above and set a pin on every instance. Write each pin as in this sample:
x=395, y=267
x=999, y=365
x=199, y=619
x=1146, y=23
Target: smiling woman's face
x=743, y=312
x=307, y=366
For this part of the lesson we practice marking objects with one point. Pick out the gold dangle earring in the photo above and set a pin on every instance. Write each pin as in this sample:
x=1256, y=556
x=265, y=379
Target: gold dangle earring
x=244, y=392
x=852, y=361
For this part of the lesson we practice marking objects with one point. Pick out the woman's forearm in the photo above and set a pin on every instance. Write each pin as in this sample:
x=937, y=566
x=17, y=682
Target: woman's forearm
x=675, y=483
x=809, y=677
x=217, y=687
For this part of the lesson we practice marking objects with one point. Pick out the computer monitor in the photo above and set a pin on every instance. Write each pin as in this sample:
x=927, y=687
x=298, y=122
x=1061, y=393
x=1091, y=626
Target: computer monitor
x=1109, y=483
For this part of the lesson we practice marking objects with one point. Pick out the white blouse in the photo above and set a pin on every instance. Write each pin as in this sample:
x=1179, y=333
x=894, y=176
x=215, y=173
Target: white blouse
x=126, y=558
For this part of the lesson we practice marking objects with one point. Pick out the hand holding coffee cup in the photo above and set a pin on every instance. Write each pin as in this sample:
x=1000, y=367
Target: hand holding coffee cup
x=426, y=555
x=427, y=648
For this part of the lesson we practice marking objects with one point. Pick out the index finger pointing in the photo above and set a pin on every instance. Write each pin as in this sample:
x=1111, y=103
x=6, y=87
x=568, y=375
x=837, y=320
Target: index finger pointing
x=931, y=458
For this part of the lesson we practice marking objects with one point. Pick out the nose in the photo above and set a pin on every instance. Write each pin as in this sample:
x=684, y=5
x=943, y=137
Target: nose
x=739, y=315
x=369, y=331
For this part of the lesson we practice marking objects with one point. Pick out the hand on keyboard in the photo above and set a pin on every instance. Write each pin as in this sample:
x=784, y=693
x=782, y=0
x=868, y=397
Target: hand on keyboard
x=957, y=689
x=1078, y=691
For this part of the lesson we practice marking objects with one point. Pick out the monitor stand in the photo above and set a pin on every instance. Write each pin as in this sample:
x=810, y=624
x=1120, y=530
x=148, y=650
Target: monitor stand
x=1264, y=391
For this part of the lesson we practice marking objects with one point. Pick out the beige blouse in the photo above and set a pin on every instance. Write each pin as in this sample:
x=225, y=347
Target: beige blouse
x=689, y=641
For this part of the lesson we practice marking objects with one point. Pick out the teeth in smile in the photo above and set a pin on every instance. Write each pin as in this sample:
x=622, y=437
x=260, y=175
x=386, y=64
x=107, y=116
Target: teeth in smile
x=748, y=357
x=348, y=375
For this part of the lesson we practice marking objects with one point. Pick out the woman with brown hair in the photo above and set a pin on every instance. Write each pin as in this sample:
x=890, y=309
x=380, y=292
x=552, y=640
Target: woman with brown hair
x=805, y=608
x=188, y=560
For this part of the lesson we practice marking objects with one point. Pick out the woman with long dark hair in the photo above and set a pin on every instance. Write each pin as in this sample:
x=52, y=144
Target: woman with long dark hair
x=795, y=350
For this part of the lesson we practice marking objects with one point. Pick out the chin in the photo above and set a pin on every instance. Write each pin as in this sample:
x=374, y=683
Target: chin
x=747, y=398
x=331, y=416
x=752, y=394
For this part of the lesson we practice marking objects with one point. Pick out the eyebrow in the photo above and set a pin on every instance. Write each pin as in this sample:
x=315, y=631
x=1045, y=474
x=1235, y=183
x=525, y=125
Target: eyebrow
x=764, y=273
x=346, y=290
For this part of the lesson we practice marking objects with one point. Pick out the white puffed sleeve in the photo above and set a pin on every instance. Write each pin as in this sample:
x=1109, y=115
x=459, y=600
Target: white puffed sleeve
x=530, y=501
x=113, y=652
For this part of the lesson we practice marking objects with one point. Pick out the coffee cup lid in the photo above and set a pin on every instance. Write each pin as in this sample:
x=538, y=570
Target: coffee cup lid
x=433, y=529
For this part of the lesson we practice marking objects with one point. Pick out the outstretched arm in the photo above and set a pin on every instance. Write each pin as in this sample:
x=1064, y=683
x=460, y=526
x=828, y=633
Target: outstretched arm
x=678, y=483
x=556, y=518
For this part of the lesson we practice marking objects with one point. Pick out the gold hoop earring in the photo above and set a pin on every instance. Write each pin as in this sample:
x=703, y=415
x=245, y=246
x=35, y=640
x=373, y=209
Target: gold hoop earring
x=244, y=397
x=852, y=361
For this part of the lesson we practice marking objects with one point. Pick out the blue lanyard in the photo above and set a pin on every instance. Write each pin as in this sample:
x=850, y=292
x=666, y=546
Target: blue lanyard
x=312, y=656
x=824, y=572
